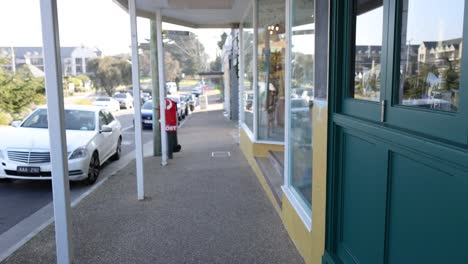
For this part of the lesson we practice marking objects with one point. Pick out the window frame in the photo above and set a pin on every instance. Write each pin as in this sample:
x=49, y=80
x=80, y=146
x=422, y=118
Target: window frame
x=425, y=122
x=297, y=201
x=357, y=107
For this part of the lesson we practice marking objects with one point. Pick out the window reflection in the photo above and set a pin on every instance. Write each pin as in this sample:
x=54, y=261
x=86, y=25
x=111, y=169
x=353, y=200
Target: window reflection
x=302, y=96
x=431, y=54
x=248, y=48
x=368, y=49
x=271, y=50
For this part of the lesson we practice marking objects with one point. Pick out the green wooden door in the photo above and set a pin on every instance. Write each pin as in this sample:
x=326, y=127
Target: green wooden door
x=398, y=160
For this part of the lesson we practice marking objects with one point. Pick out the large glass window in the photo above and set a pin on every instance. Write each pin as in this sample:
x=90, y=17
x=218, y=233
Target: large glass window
x=431, y=53
x=368, y=49
x=249, y=71
x=302, y=96
x=271, y=49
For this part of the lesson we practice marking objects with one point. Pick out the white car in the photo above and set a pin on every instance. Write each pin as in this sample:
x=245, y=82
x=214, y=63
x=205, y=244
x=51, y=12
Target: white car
x=125, y=100
x=108, y=103
x=93, y=137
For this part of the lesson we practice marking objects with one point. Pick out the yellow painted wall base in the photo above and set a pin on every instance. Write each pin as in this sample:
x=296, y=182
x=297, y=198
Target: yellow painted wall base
x=299, y=234
x=252, y=150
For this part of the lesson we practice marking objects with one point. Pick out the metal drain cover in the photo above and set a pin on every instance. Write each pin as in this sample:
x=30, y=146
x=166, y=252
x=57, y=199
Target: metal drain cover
x=220, y=154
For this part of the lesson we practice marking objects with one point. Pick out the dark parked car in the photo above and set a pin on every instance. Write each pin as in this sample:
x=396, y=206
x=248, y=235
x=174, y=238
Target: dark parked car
x=147, y=114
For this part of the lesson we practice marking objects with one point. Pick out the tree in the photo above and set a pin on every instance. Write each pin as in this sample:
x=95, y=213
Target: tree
x=451, y=77
x=217, y=64
x=189, y=52
x=20, y=90
x=145, y=63
x=109, y=72
x=172, y=67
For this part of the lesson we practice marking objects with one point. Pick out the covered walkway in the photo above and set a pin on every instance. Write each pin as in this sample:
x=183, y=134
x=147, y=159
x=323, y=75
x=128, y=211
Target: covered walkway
x=199, y=209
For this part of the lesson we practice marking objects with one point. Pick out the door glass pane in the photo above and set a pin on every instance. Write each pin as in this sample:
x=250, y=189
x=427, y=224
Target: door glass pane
x=368, y=49
x=271, y=50
x=431, y=53
x=302, y=96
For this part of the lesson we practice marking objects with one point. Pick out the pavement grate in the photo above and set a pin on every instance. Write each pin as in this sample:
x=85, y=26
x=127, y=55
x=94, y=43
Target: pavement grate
x=220, y=154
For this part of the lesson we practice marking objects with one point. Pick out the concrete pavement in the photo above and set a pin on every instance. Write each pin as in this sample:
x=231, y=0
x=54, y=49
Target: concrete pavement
x=206, y=206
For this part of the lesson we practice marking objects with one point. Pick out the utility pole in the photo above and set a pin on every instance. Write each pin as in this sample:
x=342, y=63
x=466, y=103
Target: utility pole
x=155, y=90
x=13, y=60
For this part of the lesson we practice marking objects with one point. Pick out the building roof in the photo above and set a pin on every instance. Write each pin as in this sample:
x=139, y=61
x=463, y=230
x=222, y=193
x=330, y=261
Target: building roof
x=367, y=48
x=434, y=44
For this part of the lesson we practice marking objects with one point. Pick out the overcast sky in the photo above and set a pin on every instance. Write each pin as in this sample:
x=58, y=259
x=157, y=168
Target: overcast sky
x=94, y=23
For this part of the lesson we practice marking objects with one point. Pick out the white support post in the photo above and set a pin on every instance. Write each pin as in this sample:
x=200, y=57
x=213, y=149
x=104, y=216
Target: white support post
x=57, y=135
x=162, y=87
x=136, y=101
x=255, y=69
x=241, y=78
x=287, y=86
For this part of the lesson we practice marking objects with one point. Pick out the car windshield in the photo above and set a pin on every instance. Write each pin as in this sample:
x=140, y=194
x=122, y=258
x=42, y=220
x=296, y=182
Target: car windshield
x=103, y=99
x=120, y=95
x=147, y=106
x=74, y=120
x=298, y=103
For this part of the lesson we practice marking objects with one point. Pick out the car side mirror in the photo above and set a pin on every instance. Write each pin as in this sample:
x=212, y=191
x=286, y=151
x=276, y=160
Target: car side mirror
x=105, y=129
x=16, y=123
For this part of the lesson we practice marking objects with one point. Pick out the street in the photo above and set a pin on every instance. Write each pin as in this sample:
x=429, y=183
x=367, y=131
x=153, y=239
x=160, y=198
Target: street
x=21, y=198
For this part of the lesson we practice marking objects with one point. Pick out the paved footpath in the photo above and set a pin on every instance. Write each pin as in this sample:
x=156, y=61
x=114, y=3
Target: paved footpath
x=198, y=209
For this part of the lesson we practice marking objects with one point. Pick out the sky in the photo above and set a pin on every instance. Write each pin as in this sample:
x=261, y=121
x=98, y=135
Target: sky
x=93, y=23
x=428, y=20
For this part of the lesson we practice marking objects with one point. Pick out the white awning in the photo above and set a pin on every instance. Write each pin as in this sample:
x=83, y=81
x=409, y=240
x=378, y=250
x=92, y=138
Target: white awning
x=193, y=13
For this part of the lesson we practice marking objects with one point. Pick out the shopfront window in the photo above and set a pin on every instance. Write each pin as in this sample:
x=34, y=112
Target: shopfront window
x=271, y=50
x=248, y=48
x=302, y=96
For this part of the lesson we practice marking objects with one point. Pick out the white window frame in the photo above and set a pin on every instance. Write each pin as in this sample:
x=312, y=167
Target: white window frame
x=296, y=200
x=255, y=68
x=251, y=134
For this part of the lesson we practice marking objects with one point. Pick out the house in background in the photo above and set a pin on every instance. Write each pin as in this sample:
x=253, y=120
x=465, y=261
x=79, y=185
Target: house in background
x=74, y=59
x=431, y=52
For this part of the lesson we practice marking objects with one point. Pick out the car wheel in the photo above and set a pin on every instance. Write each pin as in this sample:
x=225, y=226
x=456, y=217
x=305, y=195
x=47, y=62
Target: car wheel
x=94, y=169
x=118, y=151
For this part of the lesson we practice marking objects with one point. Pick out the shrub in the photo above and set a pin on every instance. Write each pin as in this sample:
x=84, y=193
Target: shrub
x=5, y=119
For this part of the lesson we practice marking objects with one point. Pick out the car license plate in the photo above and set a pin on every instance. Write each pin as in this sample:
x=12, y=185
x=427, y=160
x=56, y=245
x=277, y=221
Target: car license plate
x=148, y=121
x=28, y=170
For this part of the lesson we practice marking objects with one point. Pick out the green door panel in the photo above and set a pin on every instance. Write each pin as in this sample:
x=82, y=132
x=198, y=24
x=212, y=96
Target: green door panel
x=428, y=216
x=363, y=191
x=397, y=175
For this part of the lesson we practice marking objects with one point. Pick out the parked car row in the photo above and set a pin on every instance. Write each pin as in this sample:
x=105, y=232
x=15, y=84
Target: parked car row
x=185, y=105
